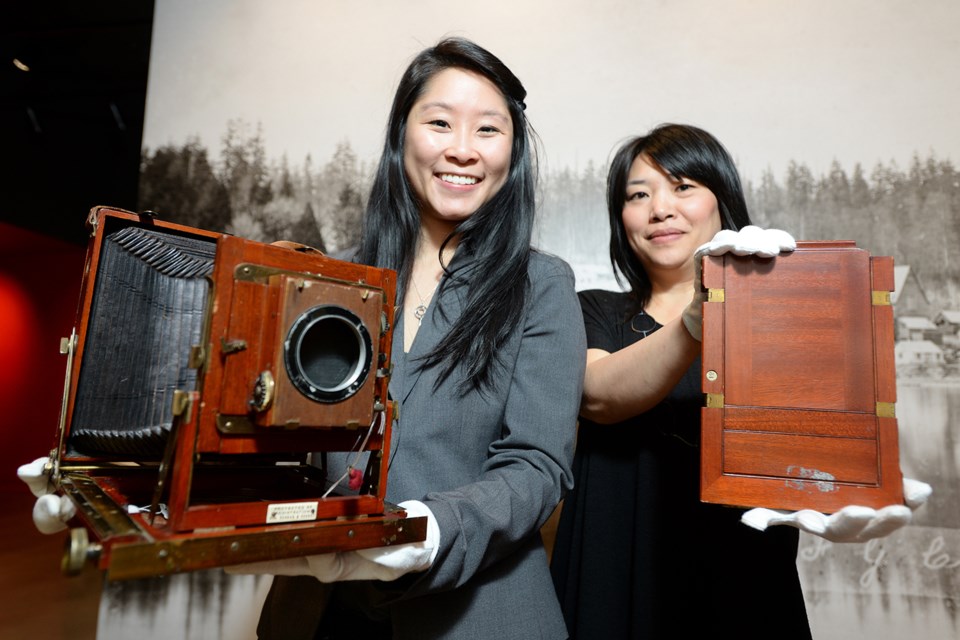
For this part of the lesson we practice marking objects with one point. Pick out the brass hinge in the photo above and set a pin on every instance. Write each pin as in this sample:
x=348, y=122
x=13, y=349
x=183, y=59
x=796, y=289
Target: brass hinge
x=715, y=295
x=880, y=298
x=181, y=404
x=886, y=410
x=715, y=400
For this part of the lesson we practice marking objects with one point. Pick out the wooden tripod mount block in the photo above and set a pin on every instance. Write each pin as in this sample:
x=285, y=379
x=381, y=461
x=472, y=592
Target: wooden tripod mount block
x=798, y=372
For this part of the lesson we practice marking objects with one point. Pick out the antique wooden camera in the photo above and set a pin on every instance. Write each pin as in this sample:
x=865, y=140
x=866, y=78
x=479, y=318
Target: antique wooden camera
x=208, y=379
x=798, y=373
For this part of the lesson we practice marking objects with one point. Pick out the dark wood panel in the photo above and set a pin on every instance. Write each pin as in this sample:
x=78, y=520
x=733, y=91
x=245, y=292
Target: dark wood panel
x=808, y=458
x=825, y=423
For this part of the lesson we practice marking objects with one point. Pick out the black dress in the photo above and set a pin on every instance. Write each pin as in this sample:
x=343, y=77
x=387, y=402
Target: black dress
x=637, y=555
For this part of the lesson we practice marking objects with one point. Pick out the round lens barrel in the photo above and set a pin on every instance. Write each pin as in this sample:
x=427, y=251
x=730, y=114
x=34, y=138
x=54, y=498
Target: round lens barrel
x=328, y=353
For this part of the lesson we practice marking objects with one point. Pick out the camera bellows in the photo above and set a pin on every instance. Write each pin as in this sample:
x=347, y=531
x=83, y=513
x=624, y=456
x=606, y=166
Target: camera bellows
x=148, y=309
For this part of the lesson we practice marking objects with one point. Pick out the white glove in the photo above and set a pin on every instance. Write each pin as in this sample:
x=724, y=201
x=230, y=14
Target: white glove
x=748, y=241
x=51, y=511
x=378, y=563
x=849, y=524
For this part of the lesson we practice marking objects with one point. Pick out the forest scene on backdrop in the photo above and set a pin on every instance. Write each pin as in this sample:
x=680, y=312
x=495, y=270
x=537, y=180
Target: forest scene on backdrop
x=911, y=213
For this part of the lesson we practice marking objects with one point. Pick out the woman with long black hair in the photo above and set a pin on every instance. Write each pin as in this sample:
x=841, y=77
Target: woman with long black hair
x=488, y=364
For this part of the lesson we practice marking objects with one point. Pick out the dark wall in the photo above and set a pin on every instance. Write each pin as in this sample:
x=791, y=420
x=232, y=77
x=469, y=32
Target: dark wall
x=71, y=109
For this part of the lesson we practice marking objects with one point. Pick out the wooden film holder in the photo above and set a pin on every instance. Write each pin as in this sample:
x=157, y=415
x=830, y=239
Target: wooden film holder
x=798, y=372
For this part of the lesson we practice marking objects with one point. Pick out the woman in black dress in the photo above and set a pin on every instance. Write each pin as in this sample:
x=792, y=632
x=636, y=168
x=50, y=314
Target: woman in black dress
x=637, y=554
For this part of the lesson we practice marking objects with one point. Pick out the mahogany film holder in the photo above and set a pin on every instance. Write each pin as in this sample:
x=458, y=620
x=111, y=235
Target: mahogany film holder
x=800, y=383
x=208, y=377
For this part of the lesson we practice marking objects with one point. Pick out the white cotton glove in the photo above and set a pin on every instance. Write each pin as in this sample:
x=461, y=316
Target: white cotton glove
x=51, y=511
x=377, y=563
x=851, y=523
x=748, y=241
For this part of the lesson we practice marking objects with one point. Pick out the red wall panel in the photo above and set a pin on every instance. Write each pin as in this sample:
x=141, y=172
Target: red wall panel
x=40, y=281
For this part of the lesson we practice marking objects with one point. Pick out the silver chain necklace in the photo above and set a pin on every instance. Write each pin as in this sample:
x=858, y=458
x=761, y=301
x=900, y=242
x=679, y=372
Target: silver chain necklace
x=421, y=309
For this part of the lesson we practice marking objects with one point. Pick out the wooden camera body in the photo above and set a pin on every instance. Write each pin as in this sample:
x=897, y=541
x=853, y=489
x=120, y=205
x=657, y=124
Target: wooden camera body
x=207, y=378
x=799, y=377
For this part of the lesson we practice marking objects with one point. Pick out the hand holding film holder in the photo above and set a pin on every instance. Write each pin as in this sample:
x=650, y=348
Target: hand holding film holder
x=800, y=380
x=205, y=373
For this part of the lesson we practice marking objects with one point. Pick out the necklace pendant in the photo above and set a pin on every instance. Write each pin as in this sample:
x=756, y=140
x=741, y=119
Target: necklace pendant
x=418, y=313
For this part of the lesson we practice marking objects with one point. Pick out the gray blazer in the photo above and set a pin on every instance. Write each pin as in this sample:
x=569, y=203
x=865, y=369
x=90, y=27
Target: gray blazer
x=491, y=467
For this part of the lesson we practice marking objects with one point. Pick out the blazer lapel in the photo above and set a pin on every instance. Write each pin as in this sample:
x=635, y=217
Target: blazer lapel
x=443, y=312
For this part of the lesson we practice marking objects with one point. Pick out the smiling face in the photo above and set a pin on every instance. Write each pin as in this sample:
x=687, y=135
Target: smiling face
x=666, y=217
x=457, y=145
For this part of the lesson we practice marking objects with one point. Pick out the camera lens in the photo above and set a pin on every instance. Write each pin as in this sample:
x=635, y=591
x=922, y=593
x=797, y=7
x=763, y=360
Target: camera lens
x=328, y=353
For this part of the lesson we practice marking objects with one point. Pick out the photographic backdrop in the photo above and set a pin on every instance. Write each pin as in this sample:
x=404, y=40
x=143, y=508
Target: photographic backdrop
x=266, y=120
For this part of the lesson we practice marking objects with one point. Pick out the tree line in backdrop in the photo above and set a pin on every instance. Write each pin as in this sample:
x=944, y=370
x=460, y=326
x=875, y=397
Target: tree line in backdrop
x=912, y=215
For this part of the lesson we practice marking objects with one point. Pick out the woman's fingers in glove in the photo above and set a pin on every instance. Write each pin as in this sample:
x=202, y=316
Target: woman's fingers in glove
x=750, y=240
x=34, y=474
x=852, y=523
x=781, y=239
x=847, y=524
x=915, y=492
x=765, y=243
x=886, y=521
x=51, y=513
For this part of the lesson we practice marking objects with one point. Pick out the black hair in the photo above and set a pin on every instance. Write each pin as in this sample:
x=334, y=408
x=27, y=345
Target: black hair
x=497, y=236
x=680, y=151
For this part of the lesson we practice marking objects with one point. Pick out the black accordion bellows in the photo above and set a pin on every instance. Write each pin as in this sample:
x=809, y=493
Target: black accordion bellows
x=148, y=309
